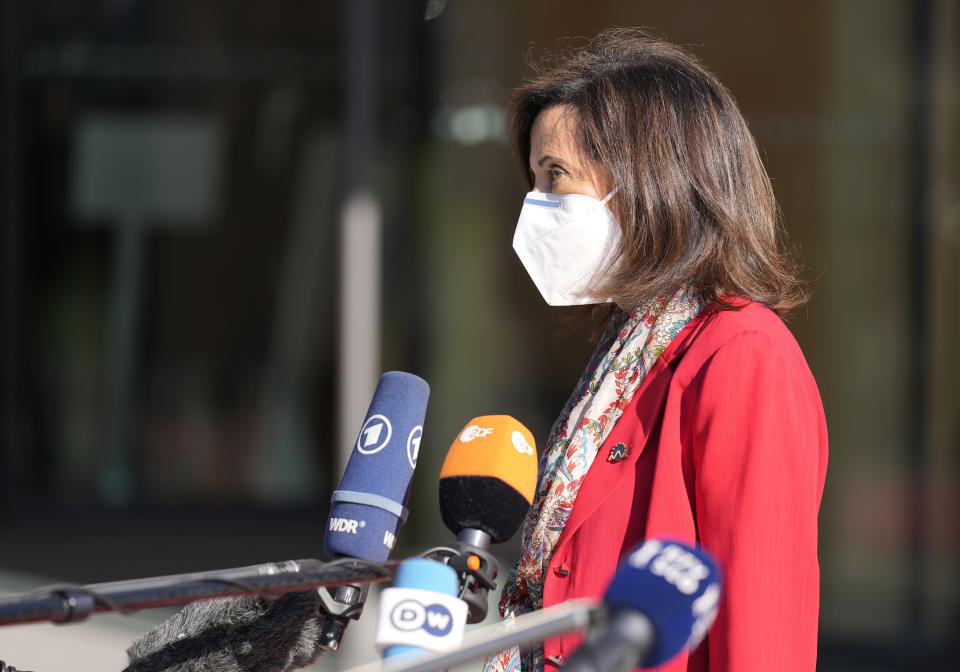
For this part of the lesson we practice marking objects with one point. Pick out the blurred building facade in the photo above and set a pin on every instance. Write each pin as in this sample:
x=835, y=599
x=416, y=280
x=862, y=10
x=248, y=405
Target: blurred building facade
x=174, y=180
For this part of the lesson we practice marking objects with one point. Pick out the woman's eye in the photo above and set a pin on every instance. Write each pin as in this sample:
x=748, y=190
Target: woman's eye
x=556, y=172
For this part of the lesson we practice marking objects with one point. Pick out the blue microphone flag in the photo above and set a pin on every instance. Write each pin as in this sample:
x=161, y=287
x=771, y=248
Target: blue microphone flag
x=420, y=609
x=369, y=506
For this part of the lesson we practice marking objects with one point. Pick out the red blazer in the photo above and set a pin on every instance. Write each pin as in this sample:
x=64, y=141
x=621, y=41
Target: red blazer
x=726, y=445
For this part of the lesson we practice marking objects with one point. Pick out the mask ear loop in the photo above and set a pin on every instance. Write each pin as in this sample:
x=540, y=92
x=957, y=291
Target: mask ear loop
x=609, y=196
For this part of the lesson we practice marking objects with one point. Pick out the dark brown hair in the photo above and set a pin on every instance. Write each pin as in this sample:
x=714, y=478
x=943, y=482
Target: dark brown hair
x=695, y=204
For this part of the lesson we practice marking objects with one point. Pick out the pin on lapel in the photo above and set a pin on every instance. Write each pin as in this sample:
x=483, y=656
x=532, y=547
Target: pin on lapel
x=617, y=453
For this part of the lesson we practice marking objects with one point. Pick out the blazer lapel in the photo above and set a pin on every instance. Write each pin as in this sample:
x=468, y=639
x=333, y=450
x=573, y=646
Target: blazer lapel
x=632, y=429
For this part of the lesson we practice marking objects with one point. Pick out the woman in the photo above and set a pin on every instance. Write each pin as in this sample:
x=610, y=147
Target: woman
x=697, y=417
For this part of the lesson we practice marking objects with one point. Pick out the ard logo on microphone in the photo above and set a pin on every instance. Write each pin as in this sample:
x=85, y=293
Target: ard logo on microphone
x=411, y=615
x=374, y=435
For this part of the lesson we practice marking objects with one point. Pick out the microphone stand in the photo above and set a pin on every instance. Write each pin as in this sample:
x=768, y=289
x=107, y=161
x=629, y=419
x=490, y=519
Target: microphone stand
x=65, y=604
x=72, y=603
x=348, y=576
x=476, y=568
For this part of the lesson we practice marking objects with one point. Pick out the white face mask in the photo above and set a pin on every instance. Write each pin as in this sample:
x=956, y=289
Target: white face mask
x=565, y=242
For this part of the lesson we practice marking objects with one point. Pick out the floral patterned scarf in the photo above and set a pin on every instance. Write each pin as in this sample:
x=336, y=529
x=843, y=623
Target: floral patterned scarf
x=630, y=345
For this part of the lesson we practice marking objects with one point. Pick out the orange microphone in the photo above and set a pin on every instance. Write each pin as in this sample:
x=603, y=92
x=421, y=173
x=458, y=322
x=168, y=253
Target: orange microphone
x=488, y=480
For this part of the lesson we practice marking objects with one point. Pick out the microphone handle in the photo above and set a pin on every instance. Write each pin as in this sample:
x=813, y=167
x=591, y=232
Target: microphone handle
x=339, y=605
x=474, y=581
x=619, y=646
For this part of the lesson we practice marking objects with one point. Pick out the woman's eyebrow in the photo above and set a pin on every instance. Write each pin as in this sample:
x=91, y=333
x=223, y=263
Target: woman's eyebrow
x=548, y=157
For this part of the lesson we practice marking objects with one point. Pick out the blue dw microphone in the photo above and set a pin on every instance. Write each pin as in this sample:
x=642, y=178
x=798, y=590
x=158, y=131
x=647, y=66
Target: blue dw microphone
x=663, y=598
x=371, y=502
x=421, y=611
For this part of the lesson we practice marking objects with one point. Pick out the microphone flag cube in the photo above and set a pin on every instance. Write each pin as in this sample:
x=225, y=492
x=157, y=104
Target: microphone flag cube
x=422, y=610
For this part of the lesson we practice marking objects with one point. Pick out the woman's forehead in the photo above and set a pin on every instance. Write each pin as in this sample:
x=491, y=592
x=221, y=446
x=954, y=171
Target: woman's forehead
x=554, y=134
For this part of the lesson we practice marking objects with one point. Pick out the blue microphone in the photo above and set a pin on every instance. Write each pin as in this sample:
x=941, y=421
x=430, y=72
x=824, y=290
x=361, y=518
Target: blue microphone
x=371, y=502
x=421, y=611
x=664, y=597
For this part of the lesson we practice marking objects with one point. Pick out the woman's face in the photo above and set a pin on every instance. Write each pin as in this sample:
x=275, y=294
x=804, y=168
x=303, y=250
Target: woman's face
x=557, y=162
